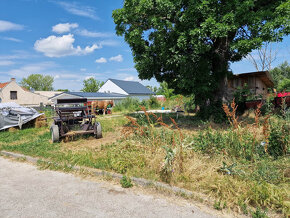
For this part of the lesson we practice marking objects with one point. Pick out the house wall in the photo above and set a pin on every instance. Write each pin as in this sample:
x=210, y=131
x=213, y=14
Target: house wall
x=110, y=87
x=24, y=98
x=255, y=84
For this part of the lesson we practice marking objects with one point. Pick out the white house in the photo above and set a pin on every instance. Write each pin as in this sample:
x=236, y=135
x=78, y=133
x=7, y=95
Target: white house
x=12, y=92
x=129, y=88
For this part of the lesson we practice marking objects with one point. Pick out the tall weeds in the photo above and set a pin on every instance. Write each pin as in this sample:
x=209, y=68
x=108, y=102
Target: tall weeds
x=157, y=134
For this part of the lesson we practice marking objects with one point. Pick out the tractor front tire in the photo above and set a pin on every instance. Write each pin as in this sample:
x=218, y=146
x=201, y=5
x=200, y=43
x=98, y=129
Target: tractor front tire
x=98, y=130
x=54, y=133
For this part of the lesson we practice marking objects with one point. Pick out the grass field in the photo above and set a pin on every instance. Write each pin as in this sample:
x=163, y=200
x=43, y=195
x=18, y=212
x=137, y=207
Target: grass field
x=229, y=163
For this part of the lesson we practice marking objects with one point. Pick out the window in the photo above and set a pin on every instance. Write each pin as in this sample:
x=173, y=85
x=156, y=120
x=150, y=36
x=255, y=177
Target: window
x=13, y=95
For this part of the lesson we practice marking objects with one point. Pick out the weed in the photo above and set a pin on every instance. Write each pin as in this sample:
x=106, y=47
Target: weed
x=218, y=205
x=228, y=169
x=243, y=207
x=259, y=213
x=167, y=166
x=126, y=182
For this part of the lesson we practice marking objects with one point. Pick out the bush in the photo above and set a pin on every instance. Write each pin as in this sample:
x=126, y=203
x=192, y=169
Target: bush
x=189, y=104
x=126, y=182
x=213, y=111
x=279, y=138
x=153, y=103
x=237, y=144
x=128, y=104
x=240, y=97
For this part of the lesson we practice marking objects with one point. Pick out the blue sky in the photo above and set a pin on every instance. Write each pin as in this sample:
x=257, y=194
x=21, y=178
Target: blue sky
x=72, y=41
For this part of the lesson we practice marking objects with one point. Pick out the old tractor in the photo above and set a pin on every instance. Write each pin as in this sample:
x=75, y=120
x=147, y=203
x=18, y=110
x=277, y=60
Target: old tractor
x=73, y=118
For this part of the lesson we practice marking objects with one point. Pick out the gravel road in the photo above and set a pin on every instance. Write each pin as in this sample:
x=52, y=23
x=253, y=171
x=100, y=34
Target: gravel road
x=26, y=192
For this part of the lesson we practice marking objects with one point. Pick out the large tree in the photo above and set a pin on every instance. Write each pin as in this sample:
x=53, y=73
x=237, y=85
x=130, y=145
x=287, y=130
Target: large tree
x=92, y=85
x=190, y=43
x=38, y=82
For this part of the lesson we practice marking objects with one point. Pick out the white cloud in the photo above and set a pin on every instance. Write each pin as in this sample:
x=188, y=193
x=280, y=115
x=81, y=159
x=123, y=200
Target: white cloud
x=54, y=46
x=130, y=78
x=7, y=26
x=87, y=33
x=101, y=60
x=78, y=9
x=118, y=58
x=83, y=69
x=11, y=39
x=6, y=63
x=64, y=27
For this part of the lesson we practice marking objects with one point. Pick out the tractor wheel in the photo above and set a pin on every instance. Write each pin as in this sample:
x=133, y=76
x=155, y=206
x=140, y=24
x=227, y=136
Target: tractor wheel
x=54, y=133
x=98, y=130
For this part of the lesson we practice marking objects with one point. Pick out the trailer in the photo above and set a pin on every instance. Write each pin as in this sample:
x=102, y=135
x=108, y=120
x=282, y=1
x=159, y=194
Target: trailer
x=73, y=118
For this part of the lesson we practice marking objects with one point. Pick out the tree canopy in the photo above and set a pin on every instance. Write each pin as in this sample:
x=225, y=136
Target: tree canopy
x=190, y=43
x=281, y=76
x=92, y=85
x=38, y=82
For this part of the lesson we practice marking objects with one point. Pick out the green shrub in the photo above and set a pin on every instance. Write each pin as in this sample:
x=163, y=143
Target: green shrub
x=153, y=103
x=212, y=112
x=231, y=142
x=126, y=182
x=127, y=104
x=266, y=172
x=189, y=104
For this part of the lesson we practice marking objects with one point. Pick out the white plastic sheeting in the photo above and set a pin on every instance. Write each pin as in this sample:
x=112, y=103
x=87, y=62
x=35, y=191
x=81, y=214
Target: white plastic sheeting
x=12, y=114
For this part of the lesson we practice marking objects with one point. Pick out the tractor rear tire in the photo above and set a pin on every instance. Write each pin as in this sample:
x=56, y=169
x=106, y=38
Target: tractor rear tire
x=54, y=133
x=98, y=130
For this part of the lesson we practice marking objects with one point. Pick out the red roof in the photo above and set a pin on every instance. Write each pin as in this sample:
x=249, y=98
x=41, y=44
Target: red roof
x=2, y=85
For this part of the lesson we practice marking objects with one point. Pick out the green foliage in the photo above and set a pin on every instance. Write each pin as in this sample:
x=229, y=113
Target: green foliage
x=189, y=104
x=62, y=90
x=279, y=74
x=240, y=96
x=167, y=167
x=218, y=205
x=228, y=169
x=92, y=85
x=279, y=139
x=284, y=85
x=268, y=107
x=263, y=172
x=128, y=105
x=232, y=142
x=164, y=90
x=37, y=82
x=189, y=44
x=259, y=213
x=212, y=112
x=153, y=103
x=133, y=104
x=126, y=182
x=244, y=207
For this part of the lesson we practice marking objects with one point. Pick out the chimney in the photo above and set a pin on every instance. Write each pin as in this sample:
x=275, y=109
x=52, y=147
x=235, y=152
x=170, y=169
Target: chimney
x=12, y=79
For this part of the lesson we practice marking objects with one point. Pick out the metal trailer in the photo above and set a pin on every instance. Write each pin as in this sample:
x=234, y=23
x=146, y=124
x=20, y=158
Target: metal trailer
x=73, y=118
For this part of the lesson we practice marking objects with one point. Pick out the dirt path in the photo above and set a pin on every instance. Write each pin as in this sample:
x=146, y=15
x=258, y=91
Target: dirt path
x=29, y=192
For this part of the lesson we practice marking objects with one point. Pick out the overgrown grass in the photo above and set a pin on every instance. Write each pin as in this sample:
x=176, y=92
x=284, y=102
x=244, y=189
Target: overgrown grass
x=244, y=167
